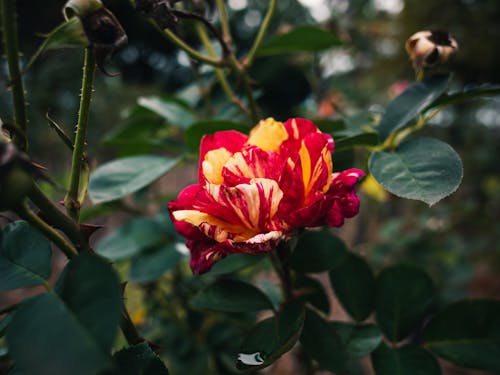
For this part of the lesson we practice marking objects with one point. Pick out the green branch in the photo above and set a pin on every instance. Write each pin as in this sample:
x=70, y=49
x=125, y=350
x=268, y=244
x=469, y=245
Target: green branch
x=58, y=219
x=224, y=21
x=129, y=330
x=242, y=73
x=261, y=33
x=26, y=214
x=10, y=42
x=71, y=201
x=191, y=51
x=219, y=72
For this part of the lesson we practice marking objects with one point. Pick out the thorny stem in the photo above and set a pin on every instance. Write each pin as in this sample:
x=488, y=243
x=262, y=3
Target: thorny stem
x=261, y=33
x=26, y=214
x=71, y=201
x=57, y=218
x=10, y=42
x=219, y=72
x=129, y=330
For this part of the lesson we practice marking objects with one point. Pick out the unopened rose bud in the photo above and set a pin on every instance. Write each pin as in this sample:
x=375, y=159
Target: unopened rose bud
x=103, y=31
x=159, y=11
x=428, y=49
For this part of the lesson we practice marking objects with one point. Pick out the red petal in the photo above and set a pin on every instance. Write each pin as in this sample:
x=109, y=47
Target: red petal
x=298, y=129
x=252, y=162
x=205, y=253
x=231, y=140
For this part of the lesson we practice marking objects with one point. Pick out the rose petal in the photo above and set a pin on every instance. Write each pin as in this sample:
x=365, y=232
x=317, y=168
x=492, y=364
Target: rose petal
x=230, y=141
x=252, y=162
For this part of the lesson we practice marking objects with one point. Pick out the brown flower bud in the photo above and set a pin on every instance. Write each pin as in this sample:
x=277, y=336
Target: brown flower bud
x=159, y=11
x=103, y=31
x=428, y=49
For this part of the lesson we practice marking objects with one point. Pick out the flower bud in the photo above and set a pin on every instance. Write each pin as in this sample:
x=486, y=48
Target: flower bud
x=428, y=49
x=103, y=31
x=159, y=11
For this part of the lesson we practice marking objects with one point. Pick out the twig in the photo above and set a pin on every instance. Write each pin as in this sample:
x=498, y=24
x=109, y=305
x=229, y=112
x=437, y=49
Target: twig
x=71, y=201
x=55, y=217
x=25, y=213
x=226, y=49
x=219, y=73
x=224, y=21
x=261, y=33
x=10, y=42
x=191, y=51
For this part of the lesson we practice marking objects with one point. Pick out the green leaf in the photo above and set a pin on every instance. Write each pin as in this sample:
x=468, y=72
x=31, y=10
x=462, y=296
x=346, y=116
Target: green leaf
x=69, y=34
x=322, y=343
x=234, y=262
x=300, y=39
x=312, y=291
x=132, y=238
x=271, y=338
x=486, y=90
x=360, y=139
x=152, y=263
x=231, y=296
x=120, y=177
x=44, y=331
x=142, y=131
x=423, y=169
x=139, y=359
x=69, y=333
x=354, y=285
x=411, y=103
x=404, y=294
x=175, y=111
x=317, y=252
x=91, y=290
x=408, y=360
x=25, y=258
x=468, y=334
x=358, y=340
x=197, y=130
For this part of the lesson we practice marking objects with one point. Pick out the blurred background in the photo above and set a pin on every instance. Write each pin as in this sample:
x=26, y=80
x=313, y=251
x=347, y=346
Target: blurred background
x=457, y=241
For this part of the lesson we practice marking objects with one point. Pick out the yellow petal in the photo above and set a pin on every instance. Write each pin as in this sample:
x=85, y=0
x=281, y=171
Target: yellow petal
x=206, y=223
x=214, y=163
x=268, y=135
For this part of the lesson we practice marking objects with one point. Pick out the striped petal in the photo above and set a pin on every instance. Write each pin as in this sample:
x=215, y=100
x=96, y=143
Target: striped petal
x=298, y=129
x=219, y=146
x=255, y=204
x=316, y=164
x=251, y=163
x=207, y=252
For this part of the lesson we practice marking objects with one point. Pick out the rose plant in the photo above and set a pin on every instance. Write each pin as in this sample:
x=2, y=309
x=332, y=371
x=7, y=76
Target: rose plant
x=259, y=223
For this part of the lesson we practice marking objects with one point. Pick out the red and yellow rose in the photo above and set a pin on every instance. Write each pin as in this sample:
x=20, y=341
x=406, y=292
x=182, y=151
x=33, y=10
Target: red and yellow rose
x=255, y=191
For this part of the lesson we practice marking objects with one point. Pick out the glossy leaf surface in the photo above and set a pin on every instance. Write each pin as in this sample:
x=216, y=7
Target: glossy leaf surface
x=404, y=294
x=423, y=169
x=25, y=257
x=118, y=178
x=231, y=296
x=467, y=333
